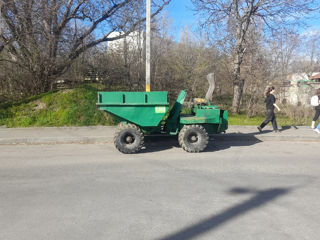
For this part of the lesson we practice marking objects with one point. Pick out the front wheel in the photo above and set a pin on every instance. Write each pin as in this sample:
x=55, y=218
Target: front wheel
x=128, y=138
x=193, y=138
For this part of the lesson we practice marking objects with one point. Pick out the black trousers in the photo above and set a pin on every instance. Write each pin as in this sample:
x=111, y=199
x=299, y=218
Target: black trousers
x=317, y=113
x=271, y=117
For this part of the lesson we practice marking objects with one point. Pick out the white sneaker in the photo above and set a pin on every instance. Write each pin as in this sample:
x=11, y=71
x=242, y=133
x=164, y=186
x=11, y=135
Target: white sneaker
x=317, y=130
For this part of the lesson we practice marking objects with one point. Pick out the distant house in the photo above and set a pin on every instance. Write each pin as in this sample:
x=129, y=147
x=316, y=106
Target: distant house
x=315, y=78
x=133, y=41
x=299, y=88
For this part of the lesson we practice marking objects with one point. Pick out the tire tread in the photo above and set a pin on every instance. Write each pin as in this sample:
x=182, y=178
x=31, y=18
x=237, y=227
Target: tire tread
x=125, y=127
x=185, y=130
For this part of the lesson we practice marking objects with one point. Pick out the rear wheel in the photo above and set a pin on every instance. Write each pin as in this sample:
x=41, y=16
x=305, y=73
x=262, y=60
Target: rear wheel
x=128, y=138
x=193, y=138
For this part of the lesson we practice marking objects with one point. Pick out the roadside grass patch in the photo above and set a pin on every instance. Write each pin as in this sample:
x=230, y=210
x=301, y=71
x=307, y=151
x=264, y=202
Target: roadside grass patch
x=76, y=107
x=282, y=120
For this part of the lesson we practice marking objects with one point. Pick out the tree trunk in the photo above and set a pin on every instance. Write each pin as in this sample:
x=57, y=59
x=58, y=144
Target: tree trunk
x=238, y=83
x=237, y=95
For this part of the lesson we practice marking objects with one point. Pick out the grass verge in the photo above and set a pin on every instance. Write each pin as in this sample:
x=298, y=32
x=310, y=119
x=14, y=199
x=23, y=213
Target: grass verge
x=282, y=120
x=77, y=107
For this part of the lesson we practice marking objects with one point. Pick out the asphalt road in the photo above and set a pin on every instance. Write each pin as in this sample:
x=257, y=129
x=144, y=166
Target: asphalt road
x=234, y=190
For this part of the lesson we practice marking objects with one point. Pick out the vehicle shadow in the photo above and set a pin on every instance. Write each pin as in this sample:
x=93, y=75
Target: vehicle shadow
x=159, y=143
x=220, y=142
x=217, y=142
x=258, y=199
x=218, y=145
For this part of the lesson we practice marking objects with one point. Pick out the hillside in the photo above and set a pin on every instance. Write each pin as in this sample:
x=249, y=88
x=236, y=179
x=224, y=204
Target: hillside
x=71, y=107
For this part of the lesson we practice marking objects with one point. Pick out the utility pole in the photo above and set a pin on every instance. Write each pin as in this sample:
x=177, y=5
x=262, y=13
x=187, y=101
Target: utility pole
x=148, y=47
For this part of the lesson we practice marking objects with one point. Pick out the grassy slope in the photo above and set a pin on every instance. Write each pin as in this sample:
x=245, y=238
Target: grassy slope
x=77, y=107
x=74, y=107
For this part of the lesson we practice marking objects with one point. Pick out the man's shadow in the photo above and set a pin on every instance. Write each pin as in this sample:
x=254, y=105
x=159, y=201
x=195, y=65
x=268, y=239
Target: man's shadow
x=258, y=199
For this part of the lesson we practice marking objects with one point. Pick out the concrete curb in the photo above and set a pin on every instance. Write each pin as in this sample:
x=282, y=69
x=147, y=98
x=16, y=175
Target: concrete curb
x=56, y=135
x=263, y=138
x=104, y=134
x=65, y=140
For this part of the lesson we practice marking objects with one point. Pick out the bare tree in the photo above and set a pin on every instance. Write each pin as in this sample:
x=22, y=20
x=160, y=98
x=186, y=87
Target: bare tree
x=308, y=53
x=44, y=37
x=256, y=71
x=235, y=16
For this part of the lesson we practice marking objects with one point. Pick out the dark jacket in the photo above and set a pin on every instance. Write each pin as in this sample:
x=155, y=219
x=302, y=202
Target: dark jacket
x=270, y=100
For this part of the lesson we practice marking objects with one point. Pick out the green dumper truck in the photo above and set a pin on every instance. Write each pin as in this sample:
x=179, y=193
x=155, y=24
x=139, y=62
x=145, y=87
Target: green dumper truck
x=147, y=113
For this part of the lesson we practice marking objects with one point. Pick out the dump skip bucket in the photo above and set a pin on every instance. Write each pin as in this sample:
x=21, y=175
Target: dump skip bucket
x=145, y=109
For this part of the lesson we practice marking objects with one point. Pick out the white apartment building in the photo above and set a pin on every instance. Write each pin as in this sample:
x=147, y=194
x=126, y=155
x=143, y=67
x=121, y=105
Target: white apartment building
x=134, y=41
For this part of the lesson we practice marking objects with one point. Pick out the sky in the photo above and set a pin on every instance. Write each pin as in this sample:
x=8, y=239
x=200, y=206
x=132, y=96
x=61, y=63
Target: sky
x=180, y=11
x=181, y=14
